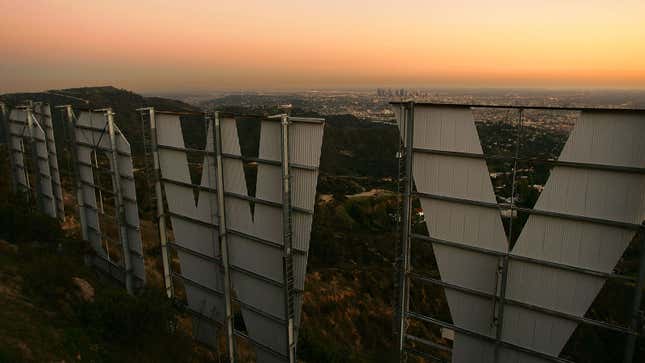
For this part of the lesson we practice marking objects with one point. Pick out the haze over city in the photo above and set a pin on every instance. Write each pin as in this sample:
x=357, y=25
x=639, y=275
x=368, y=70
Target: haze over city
x=162, y=46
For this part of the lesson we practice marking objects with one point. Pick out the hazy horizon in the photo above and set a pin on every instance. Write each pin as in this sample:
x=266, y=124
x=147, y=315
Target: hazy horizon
x=199, y=46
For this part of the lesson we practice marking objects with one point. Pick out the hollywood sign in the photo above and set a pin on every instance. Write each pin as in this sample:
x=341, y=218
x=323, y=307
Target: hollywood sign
x=248, y=254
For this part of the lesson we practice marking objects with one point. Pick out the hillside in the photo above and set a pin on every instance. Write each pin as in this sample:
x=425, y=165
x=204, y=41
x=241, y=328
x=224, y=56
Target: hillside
x=347, y=313
x=347, y=316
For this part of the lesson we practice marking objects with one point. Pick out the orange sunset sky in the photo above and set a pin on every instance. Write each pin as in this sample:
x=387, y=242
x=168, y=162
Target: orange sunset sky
x=191, y=45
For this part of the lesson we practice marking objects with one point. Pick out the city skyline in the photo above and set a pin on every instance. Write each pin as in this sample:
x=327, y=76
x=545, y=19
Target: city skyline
x=157, y=46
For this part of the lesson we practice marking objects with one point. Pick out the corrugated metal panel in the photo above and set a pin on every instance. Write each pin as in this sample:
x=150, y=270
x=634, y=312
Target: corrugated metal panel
x=305, y=142
x=446, y=128
x=255, y=257
x=470, y=349
x=601, y=138
x=230, y=141
x=206, y=304
x=169, y=130
x=302, y=183
x=607, y=138
x=453, y=129
x=262, y=295
x=267, y=357
x=174, y=166
x=234, y=179
x=203, y=239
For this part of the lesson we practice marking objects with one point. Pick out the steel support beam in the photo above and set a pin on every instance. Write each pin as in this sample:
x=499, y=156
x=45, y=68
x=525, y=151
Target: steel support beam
x=636, y=313
x=482, y=337
x=161, y=216
x=532, y=307
x=535, y=160
x=500, y=303
x=116, y=175
x=287, y=256
x=70, y=131
x=50, y=154
x=404, y=284
x=555, y=265
x=35, y=161
x=223, y=241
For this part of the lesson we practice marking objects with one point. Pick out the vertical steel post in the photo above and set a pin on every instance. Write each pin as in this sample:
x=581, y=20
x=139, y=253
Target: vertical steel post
x=120, y=208
x=7, y=133
x=55, y=201
x=70, y=126
x=101, y=207
x=223, y=241
x=3, y=123
x=636, y=317
x=161, y=215
x=287, y=239
x=503, y=267
x=408, y=128
x=35, y=160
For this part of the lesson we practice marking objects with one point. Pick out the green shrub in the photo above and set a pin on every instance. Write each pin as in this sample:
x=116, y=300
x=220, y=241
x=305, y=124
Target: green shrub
x=48, y=277
x=143, y=327
x=119, y=317
x=20, y=222
x=8, y=354
x=314, y=348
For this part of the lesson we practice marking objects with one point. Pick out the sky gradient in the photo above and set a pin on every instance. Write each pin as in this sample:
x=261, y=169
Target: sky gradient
x=199, y=45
